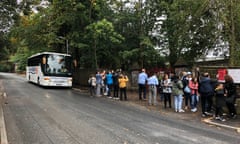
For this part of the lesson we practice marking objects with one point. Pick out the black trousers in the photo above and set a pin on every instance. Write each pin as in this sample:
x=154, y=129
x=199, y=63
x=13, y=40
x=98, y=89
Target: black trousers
x=187, y=97
x=92, y=90
x=231, y=108
x=167, y=98
x=142, y=90
x=123, y=93
x=219, y=111
x=206, y=102
x=115, y=91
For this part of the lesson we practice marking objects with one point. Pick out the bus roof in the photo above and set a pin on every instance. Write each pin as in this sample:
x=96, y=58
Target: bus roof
x=42, y=53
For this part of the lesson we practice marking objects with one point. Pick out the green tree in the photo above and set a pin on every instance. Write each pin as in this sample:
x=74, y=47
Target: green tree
x=135, y=20
x=52, y=28
x=104, y=43
x=229, y=16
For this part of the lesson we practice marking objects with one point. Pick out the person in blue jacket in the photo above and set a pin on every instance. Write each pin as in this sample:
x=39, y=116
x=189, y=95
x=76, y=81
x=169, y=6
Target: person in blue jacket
x=206, y=91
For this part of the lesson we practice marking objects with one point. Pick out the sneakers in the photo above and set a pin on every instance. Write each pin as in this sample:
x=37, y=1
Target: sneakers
x=208, y=113
x=234, y=116
x=194, y=110
x=116, y=98
x=204, y=115
x=220, y=118
x=181, y=111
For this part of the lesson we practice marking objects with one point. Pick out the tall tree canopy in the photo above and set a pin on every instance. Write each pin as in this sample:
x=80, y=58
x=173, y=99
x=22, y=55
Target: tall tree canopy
x=121, y=33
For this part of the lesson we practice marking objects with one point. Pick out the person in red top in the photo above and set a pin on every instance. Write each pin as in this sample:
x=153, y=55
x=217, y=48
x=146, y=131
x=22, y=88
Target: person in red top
x=193, y=85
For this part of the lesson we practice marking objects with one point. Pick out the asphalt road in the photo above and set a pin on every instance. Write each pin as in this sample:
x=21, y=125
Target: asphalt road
x=36, y=115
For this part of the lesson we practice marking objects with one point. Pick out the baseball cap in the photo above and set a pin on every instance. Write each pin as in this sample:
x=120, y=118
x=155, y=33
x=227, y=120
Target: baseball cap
x=189, y=73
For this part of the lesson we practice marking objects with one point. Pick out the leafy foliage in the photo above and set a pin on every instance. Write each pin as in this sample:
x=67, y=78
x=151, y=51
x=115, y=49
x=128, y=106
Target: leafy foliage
x=121, y=33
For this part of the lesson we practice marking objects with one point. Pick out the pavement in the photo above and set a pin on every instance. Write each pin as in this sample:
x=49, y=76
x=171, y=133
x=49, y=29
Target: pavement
x=232, y=124
x=3, y=132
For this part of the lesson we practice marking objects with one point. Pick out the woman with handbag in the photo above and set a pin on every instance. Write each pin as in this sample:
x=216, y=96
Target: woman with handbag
x=167, y=90
x=186, y=90
x=230, y=89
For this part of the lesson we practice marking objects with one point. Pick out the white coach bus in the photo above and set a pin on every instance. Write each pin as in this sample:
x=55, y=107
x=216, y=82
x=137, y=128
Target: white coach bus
x=50, y=69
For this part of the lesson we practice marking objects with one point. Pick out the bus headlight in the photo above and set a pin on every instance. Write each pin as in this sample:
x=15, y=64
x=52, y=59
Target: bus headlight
x=46, y=78
x=69, y=80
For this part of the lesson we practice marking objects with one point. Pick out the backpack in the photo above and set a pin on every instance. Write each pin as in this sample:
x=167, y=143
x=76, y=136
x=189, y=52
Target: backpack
x=92, y=81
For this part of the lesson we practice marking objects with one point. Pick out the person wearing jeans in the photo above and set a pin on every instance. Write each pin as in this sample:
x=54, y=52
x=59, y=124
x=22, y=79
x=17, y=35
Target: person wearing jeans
x=152, y=86
x=193, y=85
x=98, y=83
x=177, y=93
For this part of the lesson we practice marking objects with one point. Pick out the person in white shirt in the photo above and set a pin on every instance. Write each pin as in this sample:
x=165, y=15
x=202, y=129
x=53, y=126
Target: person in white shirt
x=167, y=90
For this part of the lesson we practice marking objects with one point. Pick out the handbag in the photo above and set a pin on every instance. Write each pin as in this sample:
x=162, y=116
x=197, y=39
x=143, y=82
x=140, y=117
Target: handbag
x=187, y=89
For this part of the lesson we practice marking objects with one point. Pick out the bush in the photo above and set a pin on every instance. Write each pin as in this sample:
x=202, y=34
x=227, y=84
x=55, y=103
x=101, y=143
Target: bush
x=6, y=67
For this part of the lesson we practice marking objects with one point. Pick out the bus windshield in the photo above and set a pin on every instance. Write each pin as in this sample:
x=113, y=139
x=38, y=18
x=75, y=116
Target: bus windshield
x=58, y=65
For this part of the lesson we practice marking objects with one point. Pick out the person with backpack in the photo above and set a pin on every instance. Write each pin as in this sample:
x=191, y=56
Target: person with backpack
x=92, y=85
x=177, y=92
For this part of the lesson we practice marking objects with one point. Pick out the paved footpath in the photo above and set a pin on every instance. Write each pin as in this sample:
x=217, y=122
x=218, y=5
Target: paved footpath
x=232, y=124
x=3, y=135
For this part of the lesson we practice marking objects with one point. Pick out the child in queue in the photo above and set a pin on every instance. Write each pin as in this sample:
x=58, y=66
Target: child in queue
x=220, y=102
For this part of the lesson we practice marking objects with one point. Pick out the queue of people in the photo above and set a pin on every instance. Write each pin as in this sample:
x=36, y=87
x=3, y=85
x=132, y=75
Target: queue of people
x=111, y=84
x=186, y=89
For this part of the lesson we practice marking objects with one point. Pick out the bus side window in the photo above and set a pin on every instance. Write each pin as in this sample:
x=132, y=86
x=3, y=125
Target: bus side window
x=48, y=69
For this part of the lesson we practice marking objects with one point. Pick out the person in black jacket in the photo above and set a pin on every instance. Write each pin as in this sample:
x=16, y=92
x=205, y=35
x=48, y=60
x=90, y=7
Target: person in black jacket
x=206, y=91
x=230, y=89
x=115, y=85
